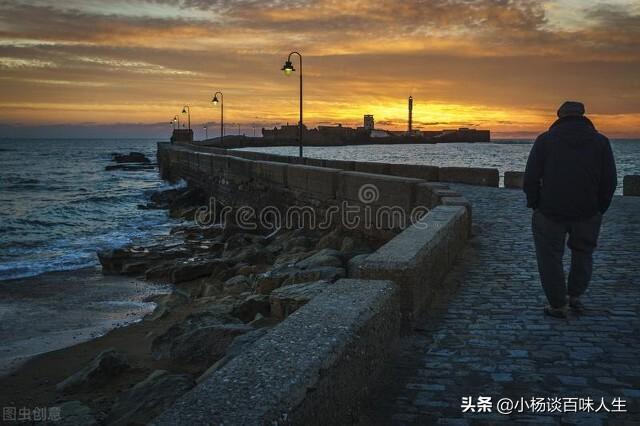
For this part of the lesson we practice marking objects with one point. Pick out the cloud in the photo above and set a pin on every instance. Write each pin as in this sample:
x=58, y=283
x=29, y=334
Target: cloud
x=14, y=63
x=497, y=63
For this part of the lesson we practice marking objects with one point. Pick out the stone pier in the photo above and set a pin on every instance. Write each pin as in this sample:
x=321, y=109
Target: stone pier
x=448, y=308
x=491, y=339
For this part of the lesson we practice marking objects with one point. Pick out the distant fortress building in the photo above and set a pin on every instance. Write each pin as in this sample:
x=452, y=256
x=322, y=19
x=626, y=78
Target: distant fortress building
x=369, y=123
x=343, y=135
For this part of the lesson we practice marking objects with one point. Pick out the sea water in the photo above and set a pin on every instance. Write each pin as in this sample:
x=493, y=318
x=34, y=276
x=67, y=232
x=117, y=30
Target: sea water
x=58, y=205
x=505, y=155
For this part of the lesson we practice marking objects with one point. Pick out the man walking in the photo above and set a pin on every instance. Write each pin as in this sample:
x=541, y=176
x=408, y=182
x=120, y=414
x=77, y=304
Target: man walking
x=569, y=182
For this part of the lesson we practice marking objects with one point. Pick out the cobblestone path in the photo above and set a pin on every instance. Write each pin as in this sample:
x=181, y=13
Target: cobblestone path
x=492, y=339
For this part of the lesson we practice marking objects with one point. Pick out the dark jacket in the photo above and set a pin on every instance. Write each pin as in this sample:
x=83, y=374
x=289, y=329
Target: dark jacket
x=571, y=173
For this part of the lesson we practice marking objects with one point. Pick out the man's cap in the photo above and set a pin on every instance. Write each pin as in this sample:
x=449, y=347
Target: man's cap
x=571, y=108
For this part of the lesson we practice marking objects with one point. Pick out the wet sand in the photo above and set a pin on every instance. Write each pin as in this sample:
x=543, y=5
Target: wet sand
x=57, y=310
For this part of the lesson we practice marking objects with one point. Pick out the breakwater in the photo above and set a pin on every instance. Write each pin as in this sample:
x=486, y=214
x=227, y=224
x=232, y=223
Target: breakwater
x=337, y=343
x=335, y=346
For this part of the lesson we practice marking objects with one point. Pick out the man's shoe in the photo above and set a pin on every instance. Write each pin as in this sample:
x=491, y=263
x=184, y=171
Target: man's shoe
x=556, y=312
x=576, y=304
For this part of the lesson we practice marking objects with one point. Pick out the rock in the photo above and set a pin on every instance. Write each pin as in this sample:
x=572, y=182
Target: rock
x=166, y=303
x=252, y=254
x=353, y=264
x=134, y=260
x=348, y=245
x=325, y=257
x=132, y=157
x=236, y=285
x=164, y=199
x=216, y=313
x=251, y=269
x=74, y=413
x=112, y=260
x=149, y=398
x=160, y=272
x=191, y=269
x=98, y=372
x=185, y=204
x=270, y=280
x=261, y=321
x=266, y=283
x=297, y=242
x=134, y=268
x=255, y=304
x=130, y=167
x=237, y=346
x=331, y=240
x=200, y=339
x=291, y=258
x=257, y=320
x=286, y=300
x=242, y=239
x=324, y=273
x=210, y=288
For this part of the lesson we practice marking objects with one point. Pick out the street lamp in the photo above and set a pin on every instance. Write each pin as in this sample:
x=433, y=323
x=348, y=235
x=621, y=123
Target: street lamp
x=187, y=110
x=177, y=120
x=215, y=102
x=288, y=69
x=206, y=133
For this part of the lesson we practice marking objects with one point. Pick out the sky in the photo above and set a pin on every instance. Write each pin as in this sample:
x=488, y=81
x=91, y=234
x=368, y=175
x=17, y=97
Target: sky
x=118, y=68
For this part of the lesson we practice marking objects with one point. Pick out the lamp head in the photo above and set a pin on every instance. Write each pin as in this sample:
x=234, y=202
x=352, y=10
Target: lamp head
x=215, y=100
x=288, y=68
x=184, y=110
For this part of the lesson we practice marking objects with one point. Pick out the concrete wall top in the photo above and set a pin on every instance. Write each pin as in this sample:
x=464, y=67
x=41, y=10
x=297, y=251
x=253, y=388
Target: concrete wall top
x=631, y=185
x=470, y=175
x=513, y=179
x=415, y=242
x=312, y=349
x=419, y=257
x=322, y=181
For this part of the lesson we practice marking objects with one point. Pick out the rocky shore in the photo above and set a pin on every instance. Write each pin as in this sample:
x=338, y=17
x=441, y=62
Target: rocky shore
x=229, y=286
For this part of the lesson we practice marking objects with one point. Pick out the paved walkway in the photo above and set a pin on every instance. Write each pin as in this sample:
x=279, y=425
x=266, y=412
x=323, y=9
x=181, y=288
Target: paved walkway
x=492, y=340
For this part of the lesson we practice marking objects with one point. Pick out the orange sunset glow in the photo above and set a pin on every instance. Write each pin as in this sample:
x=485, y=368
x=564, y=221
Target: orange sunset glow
x=503, y=65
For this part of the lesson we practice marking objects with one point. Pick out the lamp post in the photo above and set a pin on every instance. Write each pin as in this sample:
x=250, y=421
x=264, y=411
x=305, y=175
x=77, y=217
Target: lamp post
x=288, y=69
x=215, y=102
x=206, y=133
x=187, y=110
x=177, y=119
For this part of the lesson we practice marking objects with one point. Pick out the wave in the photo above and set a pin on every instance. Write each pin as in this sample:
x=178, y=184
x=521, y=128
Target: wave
x=79, y=252
x=18, y=180
x=25, y=269
x=103, y=198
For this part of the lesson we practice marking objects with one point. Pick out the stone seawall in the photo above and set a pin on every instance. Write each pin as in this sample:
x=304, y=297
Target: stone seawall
x=383, y=202
x=320, y=363
x=468, y=175
x=631, y=186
